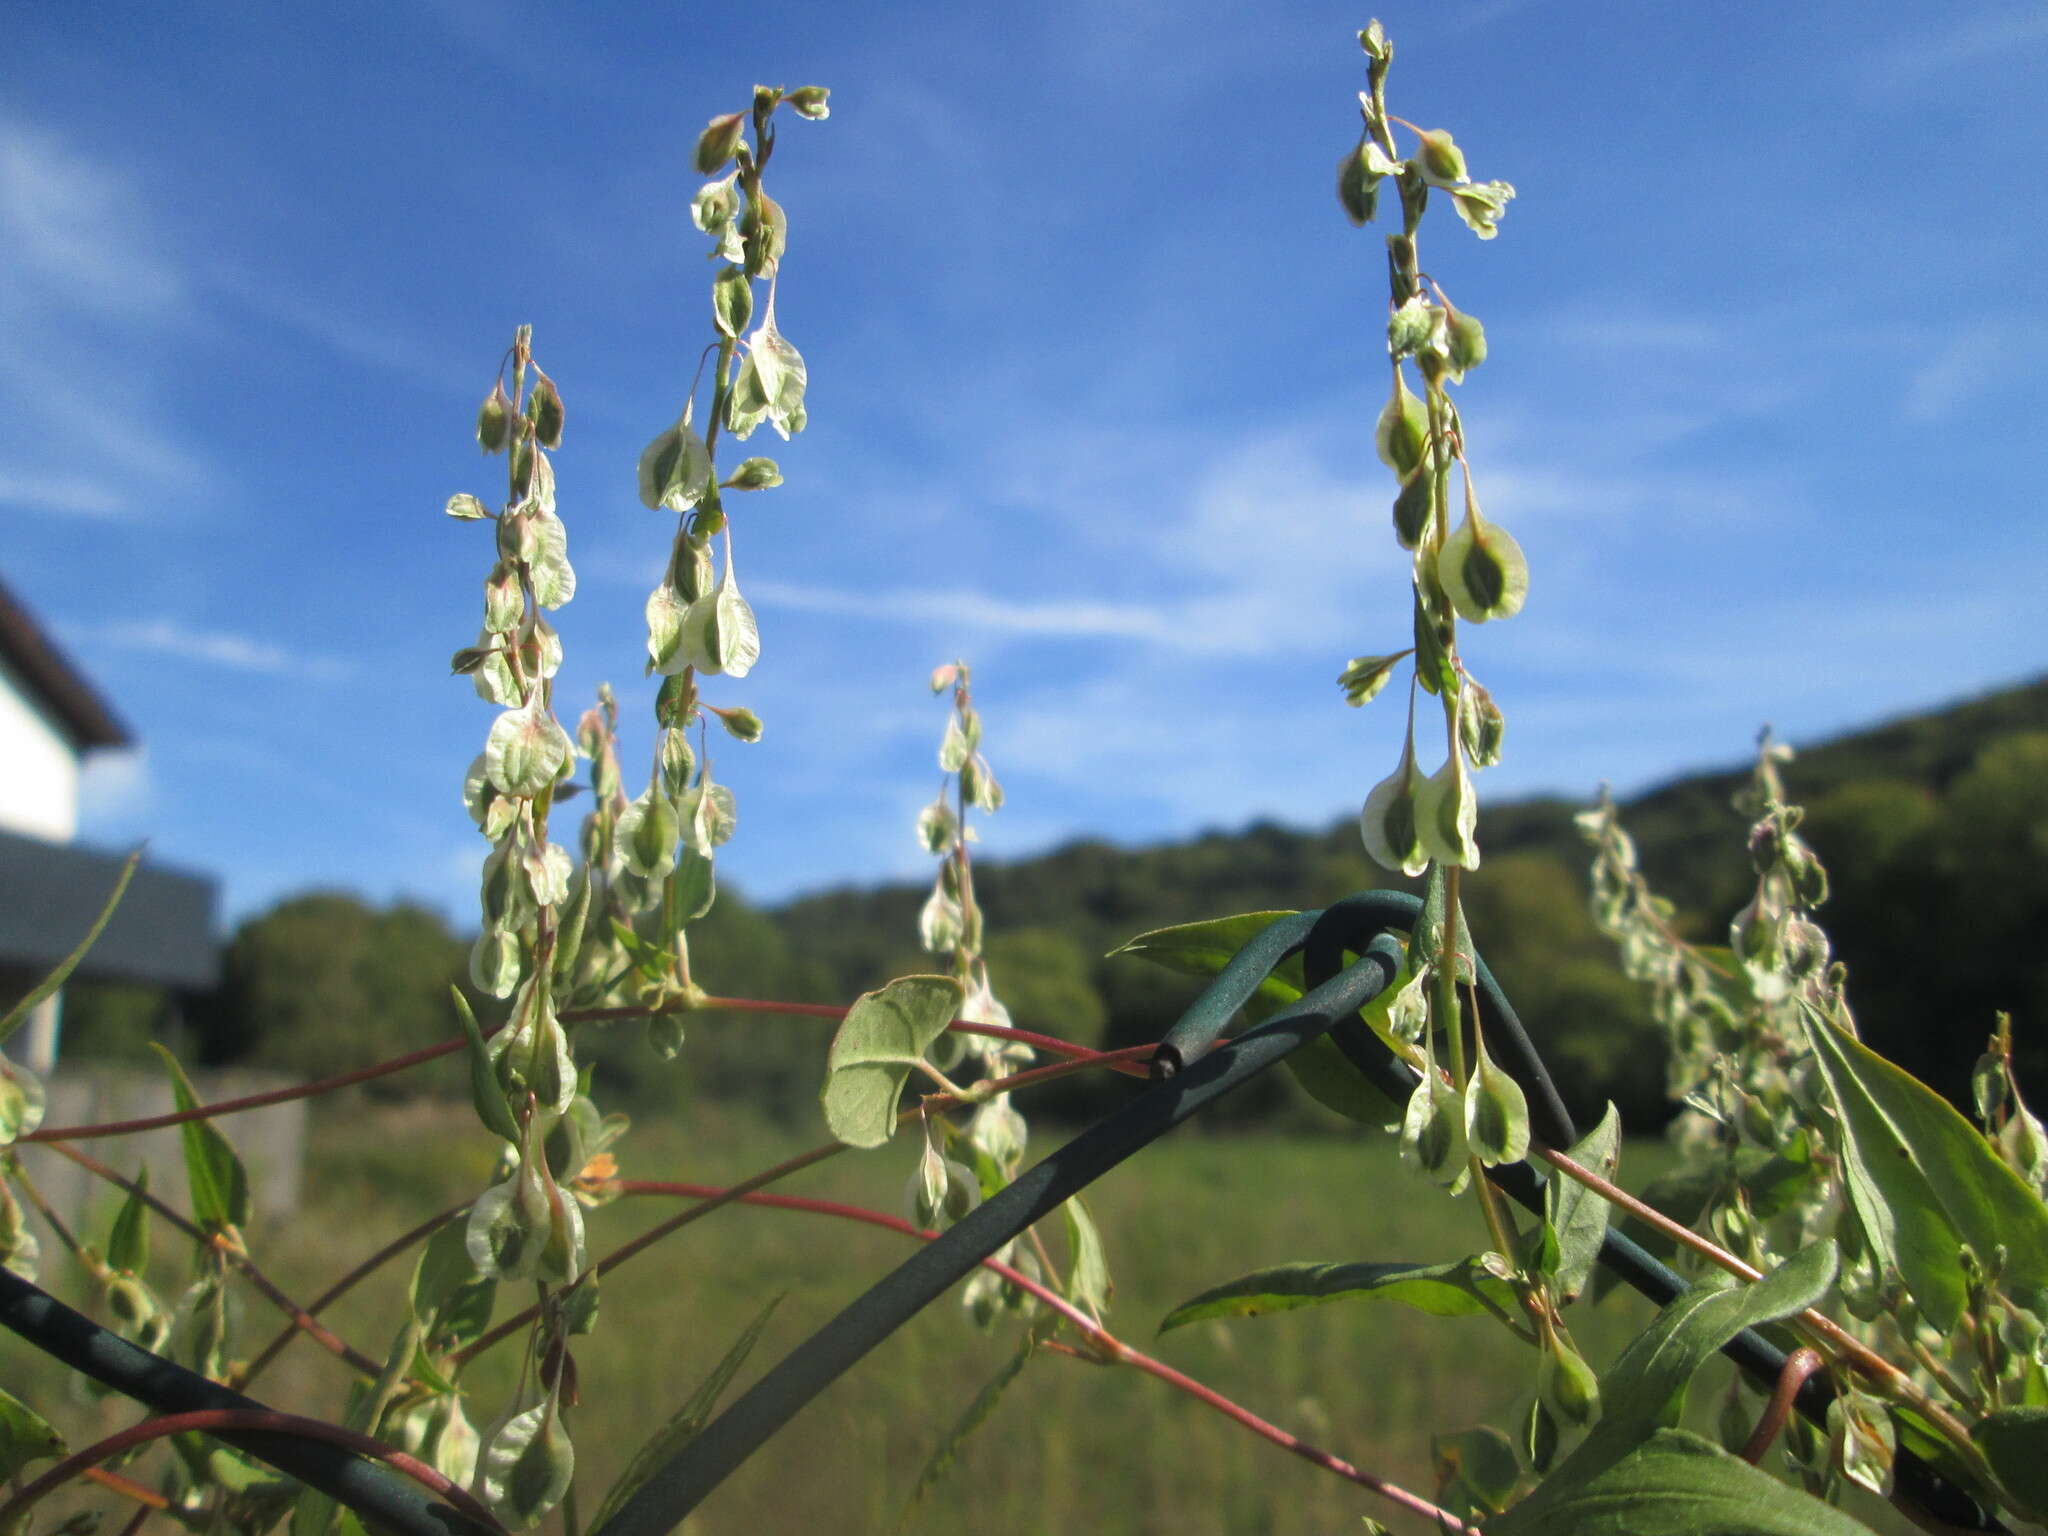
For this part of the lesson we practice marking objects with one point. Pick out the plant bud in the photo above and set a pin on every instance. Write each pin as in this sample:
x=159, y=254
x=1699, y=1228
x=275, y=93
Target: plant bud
x=1363, y=679
x=740, y=724
x=1402, y=435
x=1464, y=343
x=1439, y=159
x=493, y=420
x=1358, y=185
x=1567, y=1385
x=544, y=406
x=1481, y=726
x=754, y=475
x=715, y=145
x=810, y=101
x=1414, y=506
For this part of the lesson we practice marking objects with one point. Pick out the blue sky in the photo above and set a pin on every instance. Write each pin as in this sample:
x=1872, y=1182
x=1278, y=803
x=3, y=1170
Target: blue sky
x=1094, y=360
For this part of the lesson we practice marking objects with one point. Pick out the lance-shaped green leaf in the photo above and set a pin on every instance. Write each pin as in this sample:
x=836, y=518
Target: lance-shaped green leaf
x=1674, y=1484
x=2015, y=1442
x=971, y=1418
x=1578, y=1216
x=25, y=1436
x=1644, y=1389
x=1462, y=1289
x=485, y=1094
x=128, y=1242
x=525, y=1468
x=883, y=1037
x=1923, y=1182
x=1204, y=948
x=50, y=984
x=220, y=1186
x=687, y=1421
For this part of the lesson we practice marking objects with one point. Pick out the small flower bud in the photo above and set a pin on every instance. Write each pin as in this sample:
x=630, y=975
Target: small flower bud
x=1439, y=159
x=493, y=419
x=1402, y=436
x=715, y=145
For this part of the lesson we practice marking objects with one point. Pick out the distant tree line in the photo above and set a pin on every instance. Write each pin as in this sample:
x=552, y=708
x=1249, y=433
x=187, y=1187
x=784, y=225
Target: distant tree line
x=1902, y=815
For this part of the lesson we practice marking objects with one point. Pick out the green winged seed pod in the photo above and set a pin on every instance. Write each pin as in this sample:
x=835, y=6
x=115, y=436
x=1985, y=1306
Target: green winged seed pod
x=1566, y=1384
x=1415, y=506
x=1363, y=679
x=1439, y=159
x=1390, y=822
x=1464, y=343
x=1358, y=183
x=715, y=145
x=1402, y=435
x=1447, y=816
x=1482, y=569
x=493, y=420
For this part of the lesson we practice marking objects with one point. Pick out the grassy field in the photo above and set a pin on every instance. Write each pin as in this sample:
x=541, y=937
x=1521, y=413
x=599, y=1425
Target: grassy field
x=1072, y=1447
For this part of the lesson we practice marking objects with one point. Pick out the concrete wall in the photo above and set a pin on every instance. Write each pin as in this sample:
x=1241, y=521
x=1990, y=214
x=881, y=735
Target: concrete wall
x=38, y=767
x=271, y=1141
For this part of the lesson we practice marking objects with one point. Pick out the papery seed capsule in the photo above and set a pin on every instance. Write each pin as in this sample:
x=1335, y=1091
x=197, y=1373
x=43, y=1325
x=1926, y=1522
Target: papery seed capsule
x=810, y=101
x=493, y=419
x=1402, y=435
x=715, y=145
x=1358, y=185
x=1439, y=159
x=546, y=406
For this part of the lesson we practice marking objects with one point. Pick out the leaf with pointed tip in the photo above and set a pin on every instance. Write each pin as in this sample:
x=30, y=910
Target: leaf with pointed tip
x=484, y=1091
x=883, y=1037
x=971, y=1419
x=1673, y=1484
x=1923, y=1182
x=128, y=1243
x=1576, y=1214
x=220, y=1185
x=25, y=1436
x=687, y=1421
x=1088, y=1282
x=49, y=985
x=1461, y=1289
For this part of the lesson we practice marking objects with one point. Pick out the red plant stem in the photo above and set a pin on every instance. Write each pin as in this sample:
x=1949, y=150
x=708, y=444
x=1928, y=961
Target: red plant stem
x=1123, y=1062
x=252, y=1101
x=1799, y=1365
x=340, y=1288
x=1113, y=1348
x=301, y=1319
x=214, y=1421
x=128, y=1488
x=137, y=1520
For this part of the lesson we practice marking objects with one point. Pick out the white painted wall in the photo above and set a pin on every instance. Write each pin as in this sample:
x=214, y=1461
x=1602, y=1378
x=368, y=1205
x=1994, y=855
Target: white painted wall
x=38, y=767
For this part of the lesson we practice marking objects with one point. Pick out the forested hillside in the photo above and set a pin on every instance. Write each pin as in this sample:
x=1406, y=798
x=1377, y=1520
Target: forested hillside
x=1934, y=827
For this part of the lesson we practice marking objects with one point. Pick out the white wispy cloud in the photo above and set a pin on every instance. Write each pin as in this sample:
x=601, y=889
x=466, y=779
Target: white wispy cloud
x=69, y=494
x=78, y=232
x=218, y=648
x=974, y=611
x=1939, y=47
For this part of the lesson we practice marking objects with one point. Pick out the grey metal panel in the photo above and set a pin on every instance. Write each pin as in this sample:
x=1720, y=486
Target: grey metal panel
x=51, y=892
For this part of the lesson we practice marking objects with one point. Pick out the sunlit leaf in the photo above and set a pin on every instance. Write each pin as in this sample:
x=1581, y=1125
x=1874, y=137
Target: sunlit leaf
x=1461, y=1289
x=881, y=1040
x=220, y=1185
